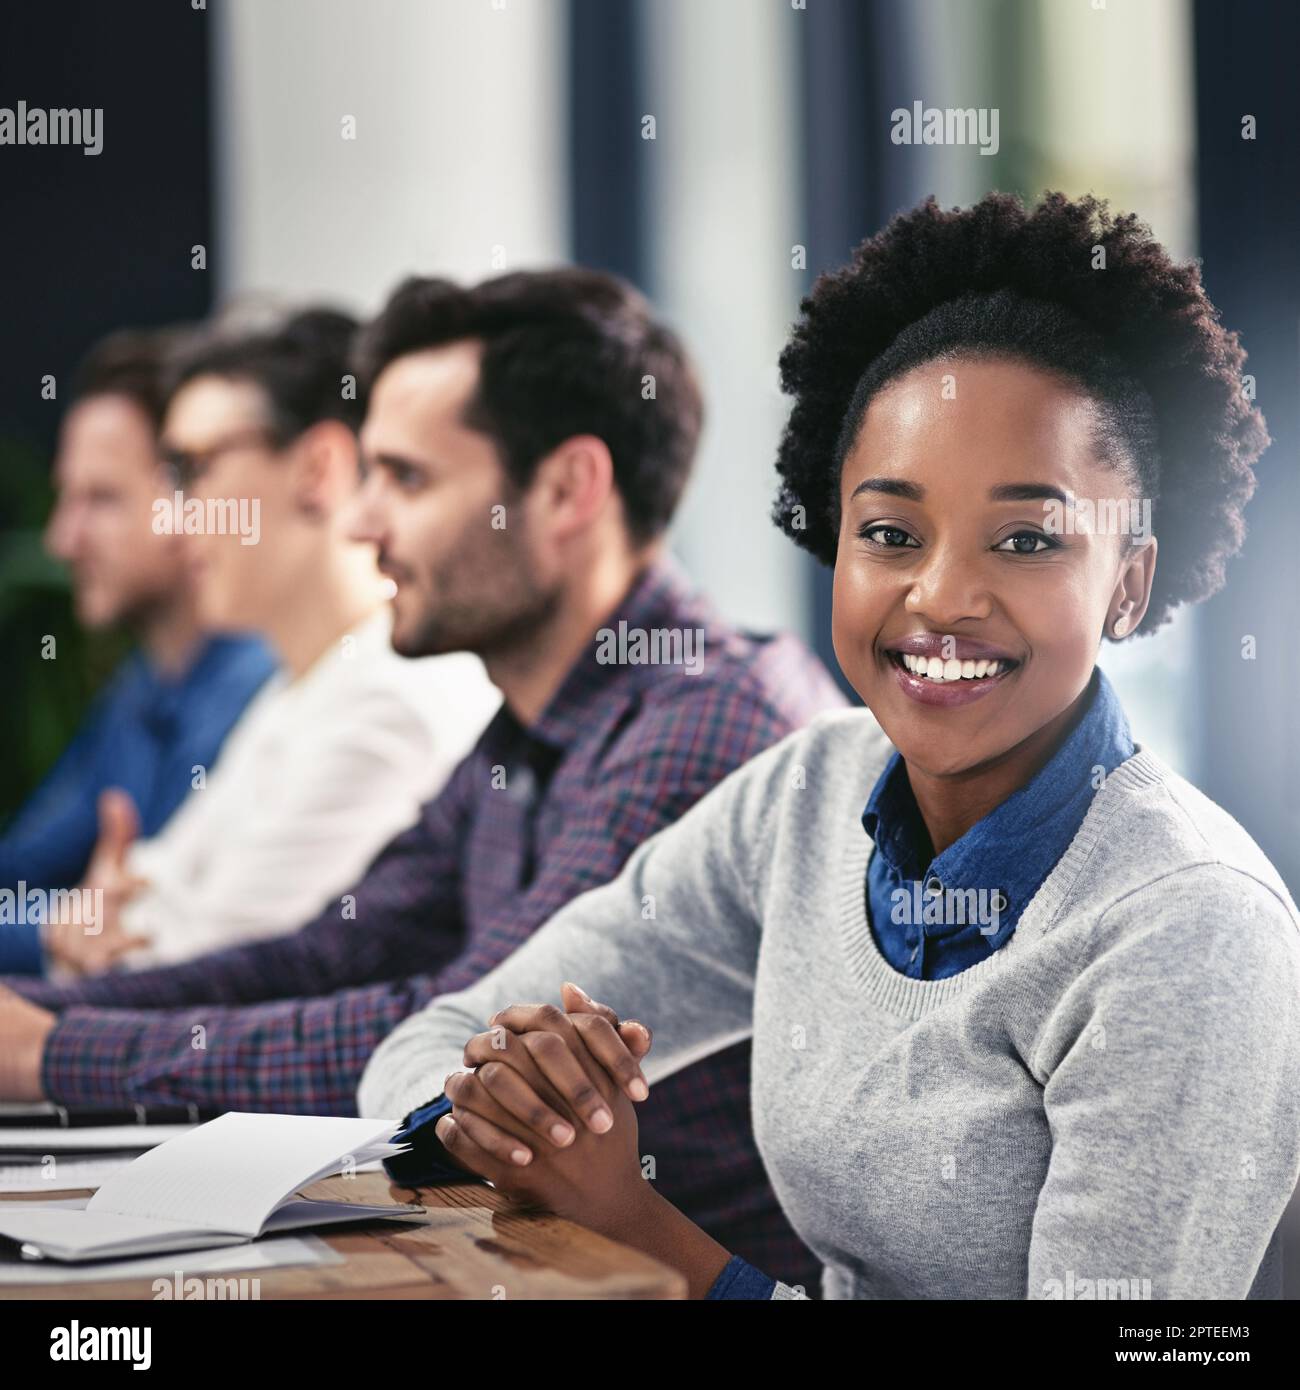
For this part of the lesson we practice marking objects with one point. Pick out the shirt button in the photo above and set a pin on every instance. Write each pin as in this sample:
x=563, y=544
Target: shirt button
x=1000, y=900
x=521, y=784
x=933, y=885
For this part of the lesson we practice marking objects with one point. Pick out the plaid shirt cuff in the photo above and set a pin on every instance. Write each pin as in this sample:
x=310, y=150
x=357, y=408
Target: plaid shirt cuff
x=88, y=1055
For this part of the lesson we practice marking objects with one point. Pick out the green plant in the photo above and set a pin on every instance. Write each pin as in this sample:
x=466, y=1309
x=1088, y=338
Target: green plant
x=43, y=698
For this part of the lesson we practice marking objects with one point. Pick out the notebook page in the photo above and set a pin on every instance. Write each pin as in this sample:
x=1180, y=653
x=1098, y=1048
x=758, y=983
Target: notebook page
x=231, y=1173
x=362, y=1158
x=296, y=1214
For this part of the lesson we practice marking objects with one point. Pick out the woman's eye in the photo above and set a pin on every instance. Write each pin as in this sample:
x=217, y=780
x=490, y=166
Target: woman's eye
x=1033, y=540
x=891, y=537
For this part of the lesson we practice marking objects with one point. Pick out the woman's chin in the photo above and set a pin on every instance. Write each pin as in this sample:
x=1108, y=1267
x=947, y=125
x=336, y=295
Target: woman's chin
x=920, y=749
x=926, y=760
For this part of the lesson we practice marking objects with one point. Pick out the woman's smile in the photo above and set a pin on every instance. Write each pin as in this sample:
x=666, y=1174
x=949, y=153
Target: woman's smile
x=944, y=670
x=934, y=681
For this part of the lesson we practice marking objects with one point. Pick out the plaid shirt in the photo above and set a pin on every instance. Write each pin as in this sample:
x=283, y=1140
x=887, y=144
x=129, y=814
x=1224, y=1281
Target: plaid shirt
x=533, y=817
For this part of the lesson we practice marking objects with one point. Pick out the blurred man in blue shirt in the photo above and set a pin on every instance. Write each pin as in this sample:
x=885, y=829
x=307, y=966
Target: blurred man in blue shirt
x=169, y=706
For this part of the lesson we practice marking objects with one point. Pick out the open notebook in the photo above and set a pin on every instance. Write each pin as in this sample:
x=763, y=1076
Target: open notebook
x=222, y=1183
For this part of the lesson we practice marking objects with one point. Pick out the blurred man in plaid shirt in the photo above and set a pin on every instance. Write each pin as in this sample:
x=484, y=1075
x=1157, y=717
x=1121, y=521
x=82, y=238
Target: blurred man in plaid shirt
x=526, y=444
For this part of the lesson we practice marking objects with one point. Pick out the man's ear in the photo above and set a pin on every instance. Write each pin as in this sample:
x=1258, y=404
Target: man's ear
x=575, y=482
x=325, y=467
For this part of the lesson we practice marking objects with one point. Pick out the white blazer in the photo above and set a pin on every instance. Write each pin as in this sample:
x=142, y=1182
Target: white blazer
x=314, y=779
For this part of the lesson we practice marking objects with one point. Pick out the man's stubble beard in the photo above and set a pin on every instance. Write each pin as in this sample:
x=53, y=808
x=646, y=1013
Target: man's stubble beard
x=134, y=613
x=512, y=612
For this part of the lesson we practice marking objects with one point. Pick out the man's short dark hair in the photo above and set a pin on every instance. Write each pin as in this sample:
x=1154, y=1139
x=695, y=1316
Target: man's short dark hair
x=301, y=365
x=133, y=362
x=565, y=352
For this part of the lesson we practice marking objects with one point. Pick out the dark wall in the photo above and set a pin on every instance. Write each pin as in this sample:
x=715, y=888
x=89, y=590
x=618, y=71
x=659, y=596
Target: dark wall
x=607, y=156
x=87, y=244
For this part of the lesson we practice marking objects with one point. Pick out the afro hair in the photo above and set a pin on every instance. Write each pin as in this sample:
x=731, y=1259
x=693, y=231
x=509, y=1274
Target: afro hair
x=1140, y=336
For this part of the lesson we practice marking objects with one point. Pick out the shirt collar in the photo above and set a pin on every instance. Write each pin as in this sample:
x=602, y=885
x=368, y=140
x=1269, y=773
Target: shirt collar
x=1018, y=843
x=212, y=653
x=162, y=695
x=660, y=597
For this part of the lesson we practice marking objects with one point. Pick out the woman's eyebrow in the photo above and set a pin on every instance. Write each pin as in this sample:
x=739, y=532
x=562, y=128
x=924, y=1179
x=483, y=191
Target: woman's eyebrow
x=893, y=487
x=1026, y=492
x=1004, y=492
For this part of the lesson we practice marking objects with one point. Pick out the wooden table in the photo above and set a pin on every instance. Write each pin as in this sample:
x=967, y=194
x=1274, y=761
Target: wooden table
x=470, y=1243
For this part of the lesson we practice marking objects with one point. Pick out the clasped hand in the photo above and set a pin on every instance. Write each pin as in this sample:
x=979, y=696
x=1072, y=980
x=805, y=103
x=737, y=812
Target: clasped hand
x=546, y=1115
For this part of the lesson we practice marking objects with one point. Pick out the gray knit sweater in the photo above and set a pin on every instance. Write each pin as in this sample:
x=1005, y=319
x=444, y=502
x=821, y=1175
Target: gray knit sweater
x=1106, y=1107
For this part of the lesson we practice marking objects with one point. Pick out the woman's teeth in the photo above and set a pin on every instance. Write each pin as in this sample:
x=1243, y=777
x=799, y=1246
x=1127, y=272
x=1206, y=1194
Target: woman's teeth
x=935, y=669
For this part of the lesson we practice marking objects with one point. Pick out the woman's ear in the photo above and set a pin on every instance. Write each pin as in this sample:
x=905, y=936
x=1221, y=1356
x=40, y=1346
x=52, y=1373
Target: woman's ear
x=1128, y=605
x=325, y=468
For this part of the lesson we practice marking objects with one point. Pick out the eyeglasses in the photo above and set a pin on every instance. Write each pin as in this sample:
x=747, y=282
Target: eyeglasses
x=185, y=467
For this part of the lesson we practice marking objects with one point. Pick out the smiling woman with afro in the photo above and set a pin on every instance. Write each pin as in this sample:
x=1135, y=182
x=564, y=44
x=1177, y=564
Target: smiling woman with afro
x=1126, y=322
x=1024, y=1004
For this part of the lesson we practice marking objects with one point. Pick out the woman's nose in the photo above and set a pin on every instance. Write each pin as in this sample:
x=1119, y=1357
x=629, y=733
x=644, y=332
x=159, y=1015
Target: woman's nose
x=948, y=588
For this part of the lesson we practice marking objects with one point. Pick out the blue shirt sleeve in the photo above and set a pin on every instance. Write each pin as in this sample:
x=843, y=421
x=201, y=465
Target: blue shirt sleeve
x=48, y=841
x=20, y=949
x=739, y=1279
x=426, y=1163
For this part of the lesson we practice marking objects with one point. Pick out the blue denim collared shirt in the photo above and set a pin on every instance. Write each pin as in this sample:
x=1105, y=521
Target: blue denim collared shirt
x=145, y=733
x=924, y=916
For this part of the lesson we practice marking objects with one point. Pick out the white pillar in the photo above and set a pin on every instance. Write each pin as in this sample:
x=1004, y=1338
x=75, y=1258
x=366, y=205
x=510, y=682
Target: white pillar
x=725, y=206
x=458, y=166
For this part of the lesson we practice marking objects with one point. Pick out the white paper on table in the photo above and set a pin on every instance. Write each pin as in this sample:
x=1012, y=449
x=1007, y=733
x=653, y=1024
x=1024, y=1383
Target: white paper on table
x=67, y=1172
x=275, y=1252
x=41, y=1139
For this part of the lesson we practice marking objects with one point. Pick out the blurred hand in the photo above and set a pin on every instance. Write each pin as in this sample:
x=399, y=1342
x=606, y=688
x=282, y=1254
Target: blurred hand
x=88, y=947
